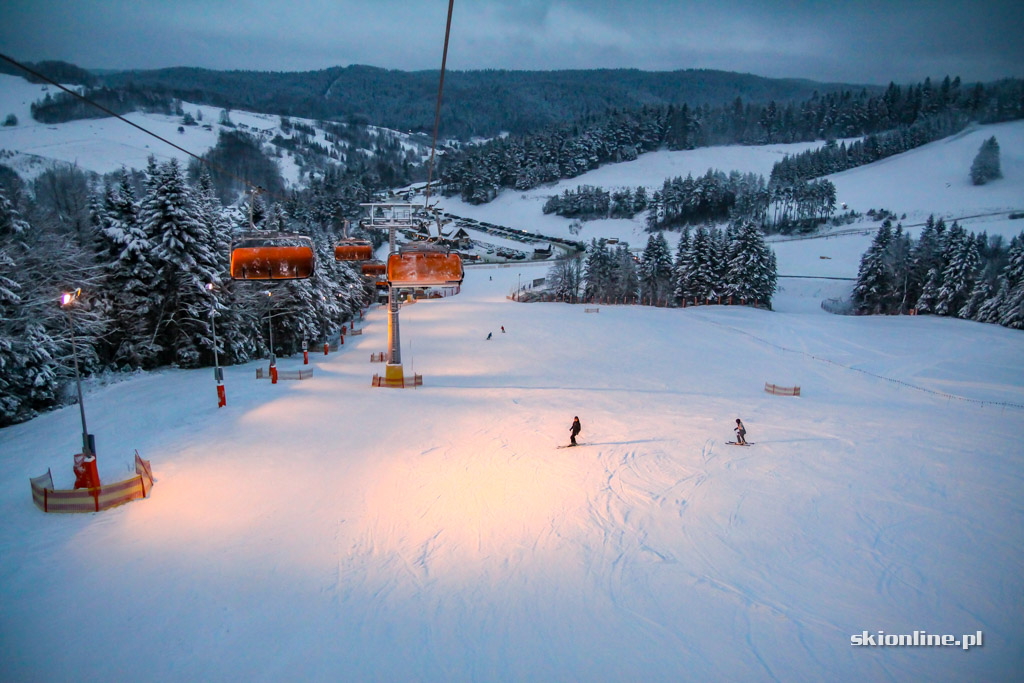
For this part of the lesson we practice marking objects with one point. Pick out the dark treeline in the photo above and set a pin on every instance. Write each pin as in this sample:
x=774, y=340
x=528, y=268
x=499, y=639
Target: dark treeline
x=712, y=198
x=61, y=107
x=587, y=202
x=914, y=115
x=55, y=70
x=941, y=112
x=946, y=271
x=480, y=103
x=142, y=247
x=710, y=264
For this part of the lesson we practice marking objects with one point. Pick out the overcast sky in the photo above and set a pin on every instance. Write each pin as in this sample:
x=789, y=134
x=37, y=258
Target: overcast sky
x=856, y=41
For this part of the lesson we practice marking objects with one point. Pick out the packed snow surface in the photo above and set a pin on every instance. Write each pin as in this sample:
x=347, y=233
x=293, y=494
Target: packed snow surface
x=326, y=529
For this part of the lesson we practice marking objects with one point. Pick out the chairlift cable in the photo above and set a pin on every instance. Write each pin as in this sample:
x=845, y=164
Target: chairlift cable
x=135, y=125
x=437, y=109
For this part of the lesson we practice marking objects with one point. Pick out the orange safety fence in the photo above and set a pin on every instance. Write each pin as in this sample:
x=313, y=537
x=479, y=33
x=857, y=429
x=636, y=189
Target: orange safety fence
x=48, y=499
x=781, y=391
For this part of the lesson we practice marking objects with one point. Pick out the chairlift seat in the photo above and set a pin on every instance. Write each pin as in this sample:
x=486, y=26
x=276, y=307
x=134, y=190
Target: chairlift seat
x=353, y=250
x=424, y=268
x=274, y=256
x=374, y=269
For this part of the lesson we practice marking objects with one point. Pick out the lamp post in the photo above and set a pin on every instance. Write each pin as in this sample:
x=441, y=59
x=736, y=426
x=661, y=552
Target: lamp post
x=66, y=300
x=218, y=374
x=270, y=326
x=86, y=474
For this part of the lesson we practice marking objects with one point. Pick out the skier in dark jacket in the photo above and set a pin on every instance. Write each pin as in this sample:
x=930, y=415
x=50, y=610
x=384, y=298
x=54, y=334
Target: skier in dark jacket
x=574, y=430
x=741, y=432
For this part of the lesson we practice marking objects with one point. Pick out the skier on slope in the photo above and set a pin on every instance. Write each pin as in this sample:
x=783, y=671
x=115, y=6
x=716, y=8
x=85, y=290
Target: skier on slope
x=741, y=432
x=489, y=336
x=574, y=430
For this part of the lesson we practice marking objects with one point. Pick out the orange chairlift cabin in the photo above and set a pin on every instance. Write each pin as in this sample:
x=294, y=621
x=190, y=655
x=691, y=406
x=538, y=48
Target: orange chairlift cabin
x=424, y=266
x=417, y=265
x=266, y=255
x=374, y=269
x=352, y=249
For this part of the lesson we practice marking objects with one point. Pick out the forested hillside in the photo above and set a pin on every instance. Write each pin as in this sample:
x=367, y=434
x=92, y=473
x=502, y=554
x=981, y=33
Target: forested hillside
x=476, y=103
x=142, y=247
x=894, y=121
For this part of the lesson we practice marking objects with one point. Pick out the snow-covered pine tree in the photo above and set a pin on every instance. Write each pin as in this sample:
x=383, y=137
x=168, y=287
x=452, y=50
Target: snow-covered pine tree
x=925, y=255
x=898, y=262
x=34, y=349
x=11, y=398
x=681, y=267
x=597, y=269
x=985, y=166
x=981, y=293
x=720, y=261
x=988, y=311
x=655, y=270
x=237, y=326
x=750, y=273
x=186, y=261
x=702, y=277
x=128, y=293
x=960, y=272
x=628, y=280
x=1011, y=311
x=873, y=291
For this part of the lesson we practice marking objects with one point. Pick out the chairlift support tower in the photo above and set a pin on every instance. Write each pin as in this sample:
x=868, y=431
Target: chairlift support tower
x=409, y=268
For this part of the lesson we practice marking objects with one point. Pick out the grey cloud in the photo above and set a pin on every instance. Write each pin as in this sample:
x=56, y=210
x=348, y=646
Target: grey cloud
x=861, y=41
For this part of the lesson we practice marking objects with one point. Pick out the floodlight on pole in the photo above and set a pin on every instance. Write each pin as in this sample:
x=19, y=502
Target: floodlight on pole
x=88, y=477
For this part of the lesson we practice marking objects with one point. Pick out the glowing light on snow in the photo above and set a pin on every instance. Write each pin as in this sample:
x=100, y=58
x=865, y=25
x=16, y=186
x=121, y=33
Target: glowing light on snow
x=466, y=508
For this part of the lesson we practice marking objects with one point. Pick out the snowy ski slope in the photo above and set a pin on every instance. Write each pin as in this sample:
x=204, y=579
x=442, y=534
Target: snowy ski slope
x=326, y=530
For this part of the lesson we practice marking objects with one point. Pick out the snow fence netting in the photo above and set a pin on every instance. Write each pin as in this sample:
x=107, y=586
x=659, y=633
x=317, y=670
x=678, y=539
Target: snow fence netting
x=48, y=499
x=781, y=391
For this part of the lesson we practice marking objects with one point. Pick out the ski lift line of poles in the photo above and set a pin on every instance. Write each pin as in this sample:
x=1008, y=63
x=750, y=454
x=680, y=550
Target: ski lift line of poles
x=437, y=109
x=85, y=99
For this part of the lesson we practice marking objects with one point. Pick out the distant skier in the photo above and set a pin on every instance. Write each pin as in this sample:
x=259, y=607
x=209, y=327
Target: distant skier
x=489, y=336
x=503, y=329
x=741, y=432
x=574, y=430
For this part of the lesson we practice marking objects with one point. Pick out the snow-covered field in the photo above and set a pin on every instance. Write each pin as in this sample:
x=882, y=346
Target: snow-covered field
x=326, y=530
x=105, y=145
x=932, y=179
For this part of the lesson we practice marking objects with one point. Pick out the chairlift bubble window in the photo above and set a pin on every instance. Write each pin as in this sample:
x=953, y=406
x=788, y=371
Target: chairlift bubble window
x=353, y=250
x=374, y=269
x=273, y=256
x=424, y=268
